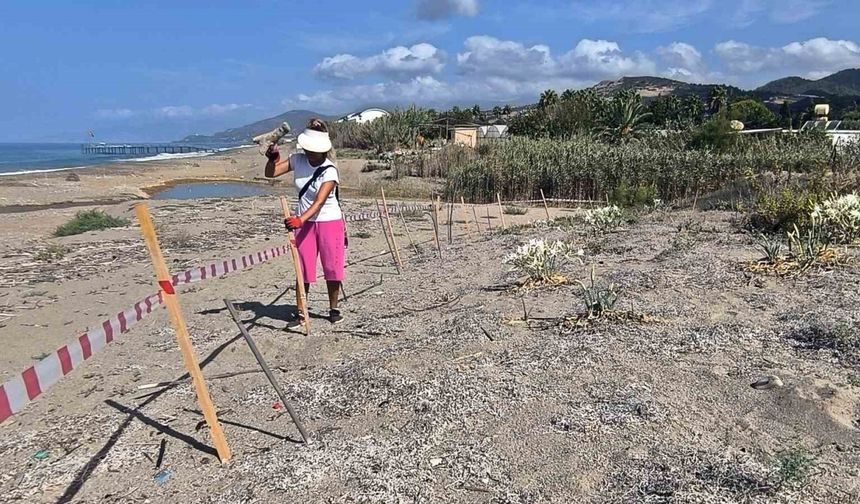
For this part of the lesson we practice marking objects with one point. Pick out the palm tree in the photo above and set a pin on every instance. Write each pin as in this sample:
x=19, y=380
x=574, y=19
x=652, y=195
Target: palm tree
x=568, y=94
x=507, y=110
x=718, y=99
x=548, y=98
x=497, y=111
x=623, y=114
x=476, y=113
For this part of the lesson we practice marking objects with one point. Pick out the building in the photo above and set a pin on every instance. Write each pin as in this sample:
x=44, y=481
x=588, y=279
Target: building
x=365, y=116
x=471, y=135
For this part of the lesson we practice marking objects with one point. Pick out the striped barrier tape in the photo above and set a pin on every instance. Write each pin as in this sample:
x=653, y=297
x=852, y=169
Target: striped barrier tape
x=373, y=215
x=22, y=389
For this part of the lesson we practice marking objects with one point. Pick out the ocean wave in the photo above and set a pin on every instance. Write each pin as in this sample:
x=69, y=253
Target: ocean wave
x=158, y=157
x=166, y=156
x=46, y=170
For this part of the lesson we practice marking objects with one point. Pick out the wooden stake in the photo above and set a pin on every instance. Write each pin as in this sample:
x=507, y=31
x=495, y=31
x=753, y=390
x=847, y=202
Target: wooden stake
x=501, y=211
x=546, y=208
x=266, y=370
x=301, y=295
x=385, y=234
x=391, y=229
x=434, y=217
x=465, y=216
x=408, y=234
x=451, y=220
x=178, y=321
x=477, y=224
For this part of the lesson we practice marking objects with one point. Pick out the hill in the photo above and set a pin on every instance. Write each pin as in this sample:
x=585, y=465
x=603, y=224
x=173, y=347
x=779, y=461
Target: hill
x=244, y=134
x=844, y=83
x=651, y=87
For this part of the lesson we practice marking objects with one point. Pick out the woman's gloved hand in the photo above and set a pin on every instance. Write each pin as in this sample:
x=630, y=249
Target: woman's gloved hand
x=273, y=153
x=292, y=223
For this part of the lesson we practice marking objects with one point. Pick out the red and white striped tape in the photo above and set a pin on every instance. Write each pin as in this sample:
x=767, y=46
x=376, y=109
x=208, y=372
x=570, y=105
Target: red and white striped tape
x=21, y=389
x=373, y=215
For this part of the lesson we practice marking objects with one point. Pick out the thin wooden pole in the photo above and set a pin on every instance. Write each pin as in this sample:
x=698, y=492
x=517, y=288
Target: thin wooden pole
x=178, y=321
x=489, y=224
x=266, y=370
x=477, y=224
x=301, y=295
x=451, y=220
x=501, y=211
x=391, y=229
x=433, y=219
x=465, y=217
x=385, y=234
x=408, y=234
x=546, y=208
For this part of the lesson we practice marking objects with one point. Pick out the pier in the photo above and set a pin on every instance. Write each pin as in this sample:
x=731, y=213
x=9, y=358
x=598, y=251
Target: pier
x=137, y=150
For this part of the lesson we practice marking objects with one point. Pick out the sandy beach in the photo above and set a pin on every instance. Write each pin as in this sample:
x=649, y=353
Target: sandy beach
x=437, y=386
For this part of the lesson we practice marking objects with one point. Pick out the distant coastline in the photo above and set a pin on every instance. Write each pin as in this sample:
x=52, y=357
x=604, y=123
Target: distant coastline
x=21, y=159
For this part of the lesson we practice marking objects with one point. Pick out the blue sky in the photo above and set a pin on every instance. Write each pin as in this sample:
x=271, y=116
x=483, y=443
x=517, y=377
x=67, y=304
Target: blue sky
x=159, y=70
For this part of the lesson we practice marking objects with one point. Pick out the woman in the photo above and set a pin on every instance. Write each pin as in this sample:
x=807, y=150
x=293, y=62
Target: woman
x=318, y=223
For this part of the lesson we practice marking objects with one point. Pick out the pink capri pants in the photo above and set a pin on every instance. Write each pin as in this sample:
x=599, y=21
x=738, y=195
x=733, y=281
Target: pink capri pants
x=325, y=239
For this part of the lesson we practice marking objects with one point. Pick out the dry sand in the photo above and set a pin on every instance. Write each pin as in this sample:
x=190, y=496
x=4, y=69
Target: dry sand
x=433, y=389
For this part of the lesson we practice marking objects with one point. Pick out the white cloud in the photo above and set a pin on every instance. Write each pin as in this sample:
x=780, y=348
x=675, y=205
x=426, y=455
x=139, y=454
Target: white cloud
x=432, y=10
x=119, y=113
x=174, y=111
x=491, y=56
x=398, y=62
x=777, y=11
x=681, y=54
x=603, y=59
x=218, y=109
x=490, y=70
x=643, y=16
x=648, y=16
x=684, y=62
x=588, y=60
x=423, y=89
x=811, y=58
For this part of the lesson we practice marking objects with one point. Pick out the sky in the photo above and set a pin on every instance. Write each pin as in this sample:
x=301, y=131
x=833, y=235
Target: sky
x=159, y=70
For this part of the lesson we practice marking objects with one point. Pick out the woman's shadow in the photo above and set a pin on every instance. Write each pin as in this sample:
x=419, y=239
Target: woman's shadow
x=263, y=313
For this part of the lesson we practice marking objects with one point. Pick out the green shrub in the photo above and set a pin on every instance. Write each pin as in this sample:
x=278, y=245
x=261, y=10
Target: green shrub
x=664, y=167
x=716, y=134
x=782, y=211
x=53, y=252
x=753, y=114
x=598, y=299
x=89, y=220
x=639, y=195
x=794, y=466
x=515, y=210
x=772, y=247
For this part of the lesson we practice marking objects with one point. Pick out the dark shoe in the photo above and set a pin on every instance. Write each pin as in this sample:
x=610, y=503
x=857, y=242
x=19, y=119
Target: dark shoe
x=296, y=323
x=335, y=317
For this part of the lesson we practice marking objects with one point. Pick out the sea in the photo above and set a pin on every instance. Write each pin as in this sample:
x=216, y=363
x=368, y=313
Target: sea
x=21, y=158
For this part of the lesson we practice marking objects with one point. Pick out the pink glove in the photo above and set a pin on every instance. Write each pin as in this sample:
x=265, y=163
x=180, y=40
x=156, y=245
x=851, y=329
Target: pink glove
x=293, y=223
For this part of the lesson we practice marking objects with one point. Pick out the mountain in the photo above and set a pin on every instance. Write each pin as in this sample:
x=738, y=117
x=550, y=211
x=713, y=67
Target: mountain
x=651, y=87
x=844, y=83
x=244, y=134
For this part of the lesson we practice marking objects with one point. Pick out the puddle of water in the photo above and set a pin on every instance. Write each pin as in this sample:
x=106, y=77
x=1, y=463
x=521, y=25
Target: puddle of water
x=197, y=190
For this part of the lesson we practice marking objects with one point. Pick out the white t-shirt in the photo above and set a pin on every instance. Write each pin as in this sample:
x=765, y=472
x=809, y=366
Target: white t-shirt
x=330, y=211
